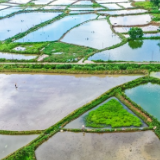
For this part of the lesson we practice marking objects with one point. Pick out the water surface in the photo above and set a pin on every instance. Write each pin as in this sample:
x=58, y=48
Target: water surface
x=22, y=22
x=17, y=56
x=62, y=2
x=8, y=11
x=88, y=146
x=145, y=28
x=130, y=20
x=83, y=3
x=126, y=5
x=56, y=29
x=3, y=7
x=19, y=1
x=111, y=6
x=77, y=123
x=121, y=12
x=41, y=100
x=41, y=1
x=148, y=97
x=132, y=51
x=10, y=143
x=111, y=1
x=85, y=8
x=89, y=34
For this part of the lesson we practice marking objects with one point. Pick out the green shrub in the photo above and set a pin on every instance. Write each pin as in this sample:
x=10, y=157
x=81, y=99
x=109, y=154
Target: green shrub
x=135, y=32
x=113, y=114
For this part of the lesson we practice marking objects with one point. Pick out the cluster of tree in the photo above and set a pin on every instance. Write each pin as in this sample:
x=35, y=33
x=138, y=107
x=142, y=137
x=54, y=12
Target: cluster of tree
x=156, y=2
x=135, y=33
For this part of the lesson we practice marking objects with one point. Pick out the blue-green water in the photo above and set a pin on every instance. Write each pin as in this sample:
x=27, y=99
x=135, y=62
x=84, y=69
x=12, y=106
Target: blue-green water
x=146, y=50
x=22, y=22
x=148, y=97
x=8, y=11
x=55, y=30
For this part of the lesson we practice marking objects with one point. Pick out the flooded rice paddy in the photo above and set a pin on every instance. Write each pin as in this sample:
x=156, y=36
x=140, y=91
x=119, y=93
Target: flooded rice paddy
x=19, y=1
x=85, y=8
x=144, y=28
x=126, y=5
x=121, y=12
x=148, y=97
x=3, y=7
x=138, y=50
x=83, y=3
x=63, y=2
x=42, y=1
x=22, y=22
x=155, y=74
x=10, y=143
x=8, y=11
x=111, y=6
x=41, y=100
x=77, y=123
x=16, y=56
x=88, y=146
x=90, y=35
x=130, y=20
x=110, y=1
x=55, y=30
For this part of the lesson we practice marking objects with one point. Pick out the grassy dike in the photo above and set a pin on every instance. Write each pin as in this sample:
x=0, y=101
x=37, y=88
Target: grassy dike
x=27, y=152
x=80, y=69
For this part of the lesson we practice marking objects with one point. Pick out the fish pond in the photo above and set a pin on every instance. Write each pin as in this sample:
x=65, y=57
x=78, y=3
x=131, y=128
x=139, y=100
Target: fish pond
x=148, y=97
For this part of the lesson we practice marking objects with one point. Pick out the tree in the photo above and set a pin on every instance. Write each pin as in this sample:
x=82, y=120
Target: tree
x=134, y=44
x=135, y=32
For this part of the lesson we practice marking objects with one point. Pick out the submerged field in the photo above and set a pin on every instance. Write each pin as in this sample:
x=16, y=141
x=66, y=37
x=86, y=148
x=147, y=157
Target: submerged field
x=74, y=85
x=98, y=26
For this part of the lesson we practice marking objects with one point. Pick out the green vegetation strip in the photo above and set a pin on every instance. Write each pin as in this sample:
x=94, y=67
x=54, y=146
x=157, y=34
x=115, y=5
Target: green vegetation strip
x=5, y=132
x=75, y=68
x=27, y=152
